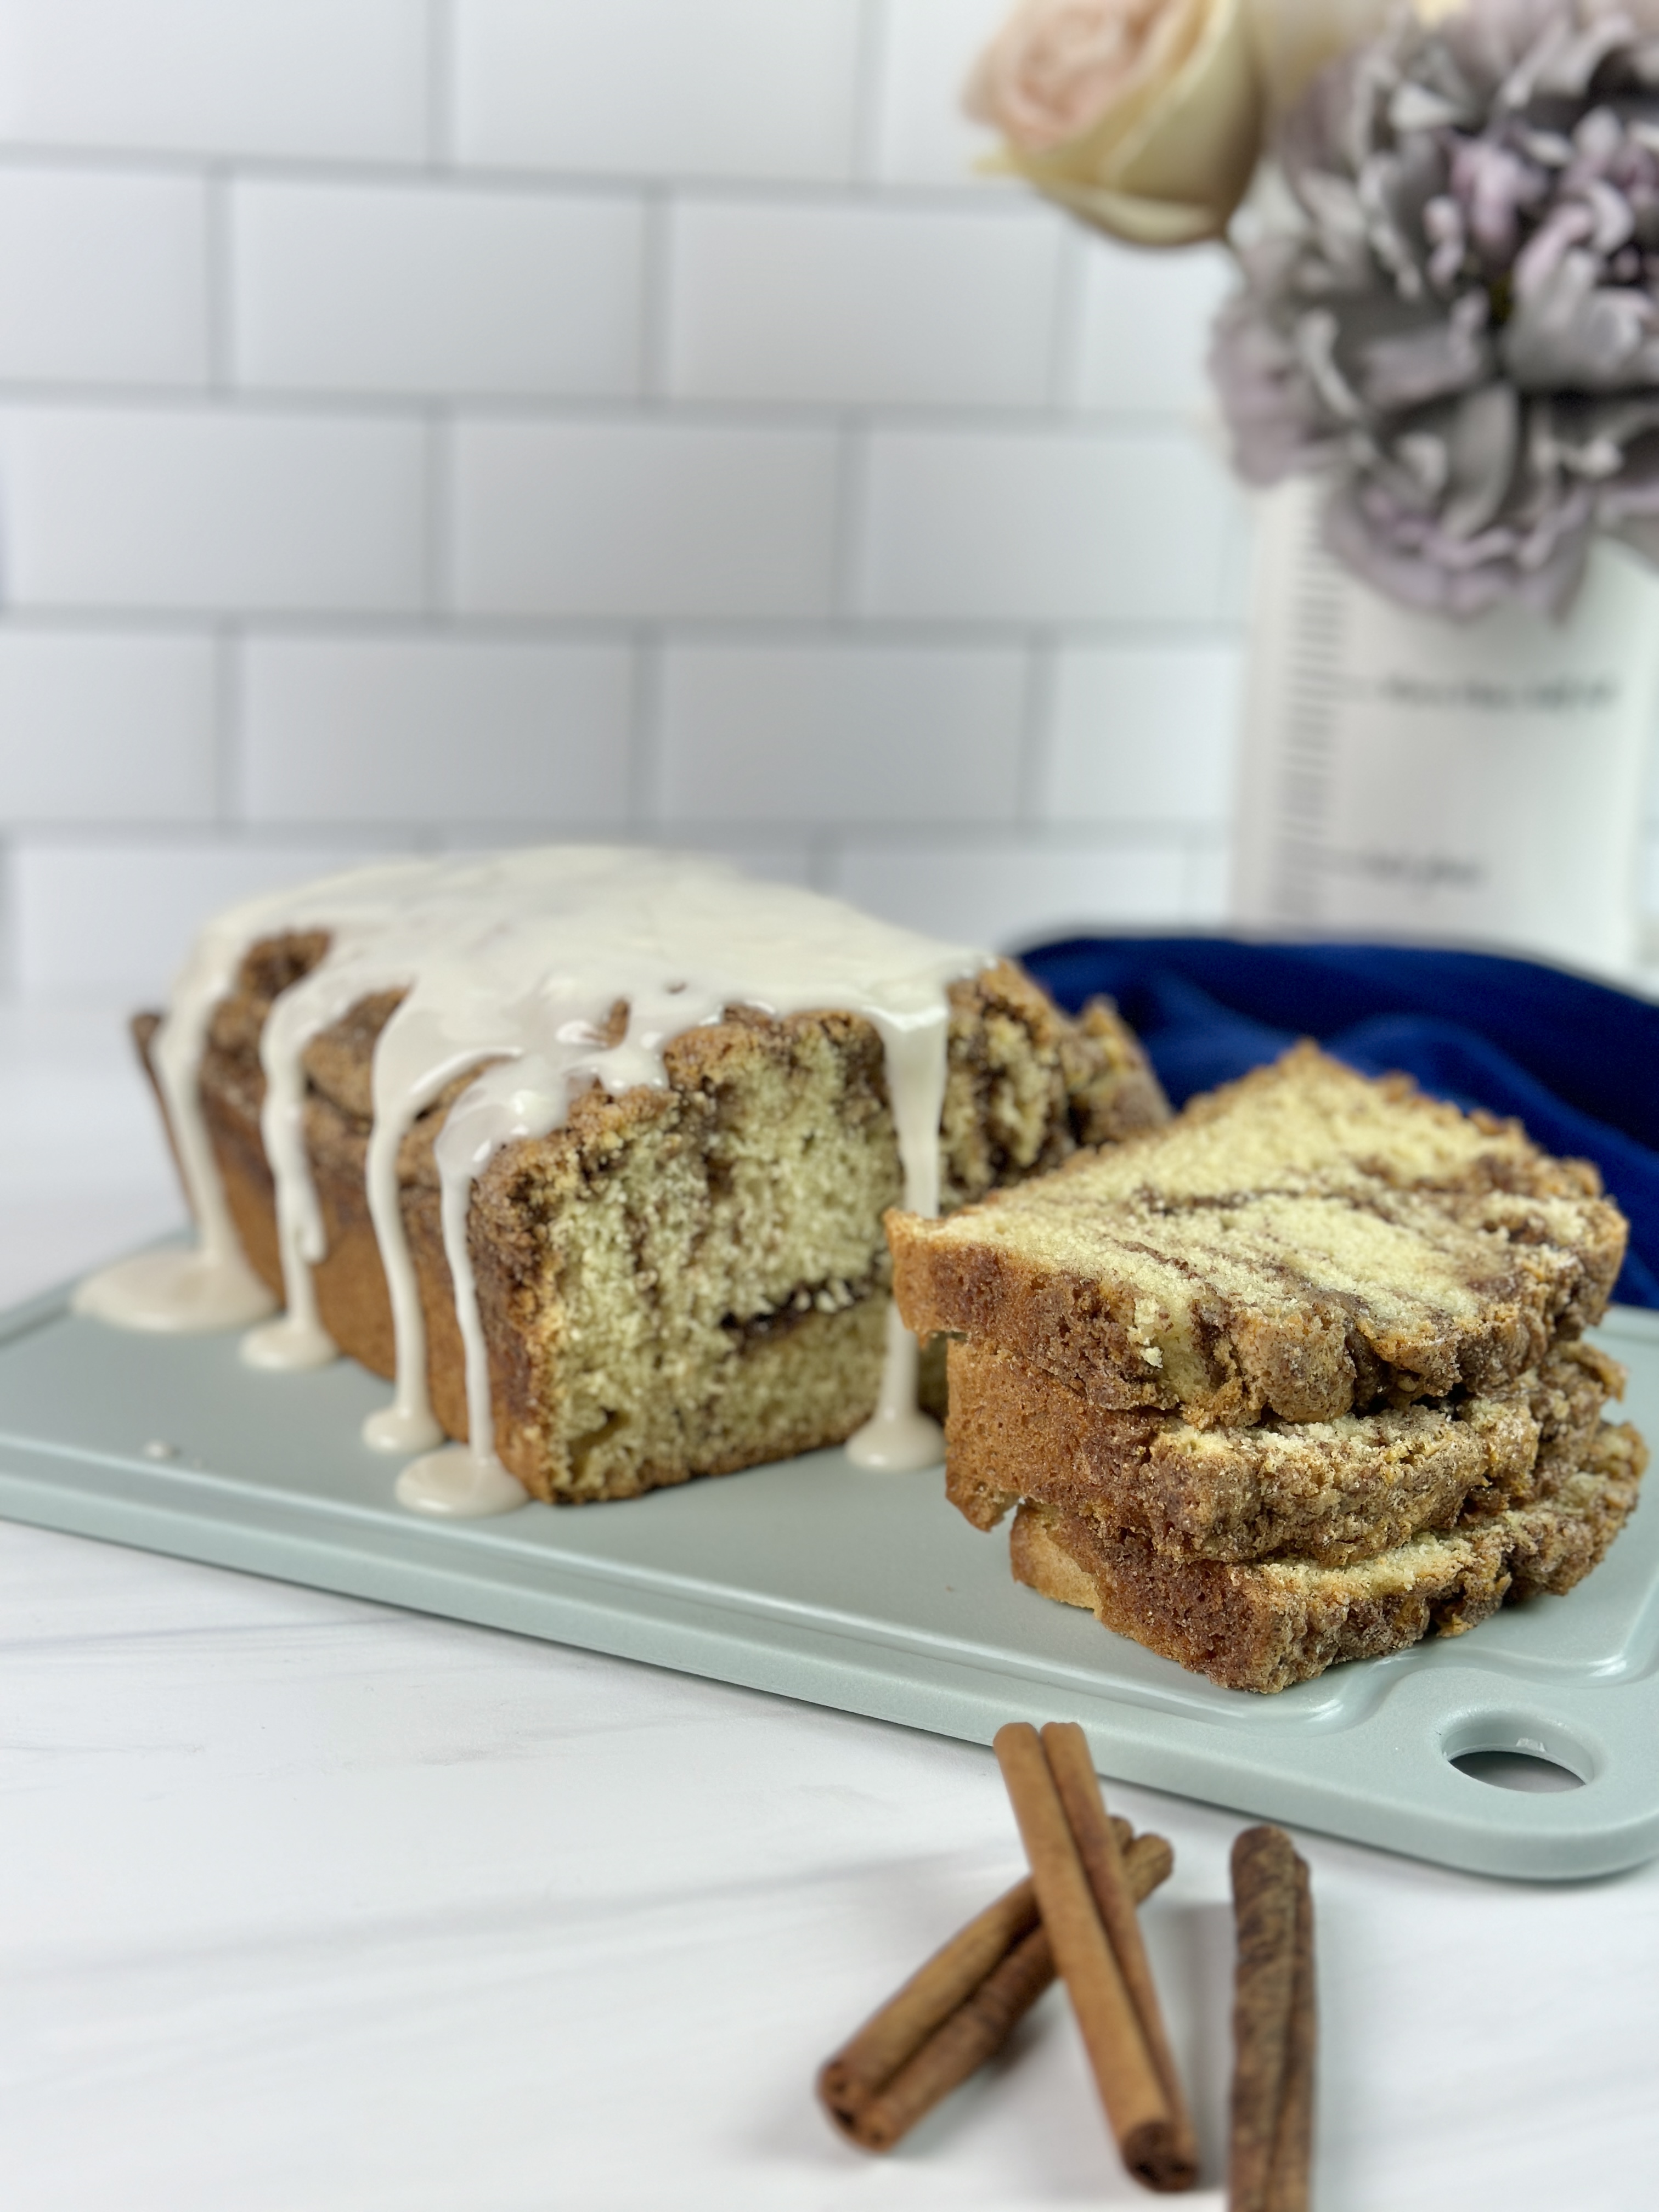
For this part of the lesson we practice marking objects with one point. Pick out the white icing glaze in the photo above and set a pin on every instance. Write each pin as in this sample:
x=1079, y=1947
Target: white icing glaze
x=456, y=1484
x=188, y=1292
x=511, y=966
x=210, y=1285
x=898, y=1438
x=298, y=1339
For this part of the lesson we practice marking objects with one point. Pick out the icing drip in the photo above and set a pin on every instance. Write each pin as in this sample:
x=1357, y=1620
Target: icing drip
x=511, y=969
x=464, y=1482
x=210, y=1285
x=298, y=1339
x=456, y=1484
x=899, y=1438
x=407, y=1425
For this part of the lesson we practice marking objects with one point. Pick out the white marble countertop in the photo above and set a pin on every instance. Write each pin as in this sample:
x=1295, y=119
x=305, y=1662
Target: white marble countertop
x=307, y=1902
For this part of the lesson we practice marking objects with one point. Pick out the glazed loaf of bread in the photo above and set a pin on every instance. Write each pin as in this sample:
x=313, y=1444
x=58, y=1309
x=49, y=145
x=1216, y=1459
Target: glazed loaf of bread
x=682, y=1280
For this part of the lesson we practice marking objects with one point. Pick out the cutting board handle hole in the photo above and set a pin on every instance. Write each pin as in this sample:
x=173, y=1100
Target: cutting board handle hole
x=1509, y=1750
x=1516, y=1769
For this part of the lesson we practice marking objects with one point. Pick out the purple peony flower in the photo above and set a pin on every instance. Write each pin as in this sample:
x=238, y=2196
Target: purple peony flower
x=1454, y=317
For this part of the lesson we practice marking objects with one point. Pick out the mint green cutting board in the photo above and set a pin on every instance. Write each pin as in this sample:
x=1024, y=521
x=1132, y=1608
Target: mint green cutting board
x=862, y=1591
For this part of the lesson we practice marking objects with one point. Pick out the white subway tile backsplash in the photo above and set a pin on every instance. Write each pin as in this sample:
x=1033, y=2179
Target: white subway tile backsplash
x=115, y=920
x=434, y=730
x=103, y=277
x=393, y=288
x=1005, y=894
x=100, y=727
x=1141, y=733
x=1042, y=526
x=1144, y=328
x=1238, y=569
x=174, y=508
x=928, y=49
x=290, y=393
x=1209, y=868
x=84, y=1129
x=775, y=860
x=862, y=733
x=1647, y=891
x=340, y=79
x=642, y=519
x=657, y=87
x=861, y=303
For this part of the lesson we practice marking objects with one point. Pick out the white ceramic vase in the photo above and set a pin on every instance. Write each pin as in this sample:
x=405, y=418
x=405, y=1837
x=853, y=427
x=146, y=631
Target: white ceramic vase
x=1407, y=777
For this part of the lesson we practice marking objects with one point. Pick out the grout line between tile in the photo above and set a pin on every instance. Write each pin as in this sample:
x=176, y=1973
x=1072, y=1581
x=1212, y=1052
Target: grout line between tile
x=416, y=169
x=376, y=403
x=966, y=632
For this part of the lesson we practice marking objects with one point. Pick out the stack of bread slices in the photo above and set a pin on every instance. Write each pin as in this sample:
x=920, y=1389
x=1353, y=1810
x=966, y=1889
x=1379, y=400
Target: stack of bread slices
x=1294, y=1380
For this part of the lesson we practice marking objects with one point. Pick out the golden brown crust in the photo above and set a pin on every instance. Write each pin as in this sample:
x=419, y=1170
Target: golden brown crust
x=681, y=1281
x=1028, y=1085
x=1305, y=1242
x=1262, y=1627
x=1565, y=1398
x=1333, y=1492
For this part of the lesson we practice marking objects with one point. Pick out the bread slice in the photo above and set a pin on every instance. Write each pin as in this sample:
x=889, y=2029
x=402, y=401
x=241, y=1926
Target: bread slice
x=1306, y=1242
x=1331, y=1492
x=679, y=1281
x=1264, y=1627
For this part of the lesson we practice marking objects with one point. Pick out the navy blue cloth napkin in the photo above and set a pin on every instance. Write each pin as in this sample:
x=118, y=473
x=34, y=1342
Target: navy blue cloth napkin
x=1578, y=1062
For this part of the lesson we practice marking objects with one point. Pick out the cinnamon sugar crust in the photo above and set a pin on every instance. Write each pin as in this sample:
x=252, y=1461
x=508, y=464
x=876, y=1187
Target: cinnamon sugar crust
x=1306, y=1243
x=1333, y=1492
x=680, y=1281
x=1267, y=1625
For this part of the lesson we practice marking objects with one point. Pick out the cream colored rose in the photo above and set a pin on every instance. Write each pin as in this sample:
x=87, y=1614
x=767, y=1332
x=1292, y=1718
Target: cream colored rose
x=1146, y=117
x=1143, y=117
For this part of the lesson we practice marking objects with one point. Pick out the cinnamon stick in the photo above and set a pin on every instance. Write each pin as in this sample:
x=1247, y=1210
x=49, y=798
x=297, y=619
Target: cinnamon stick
x=1130, y=2089
x=1273, y=2026
x=1074, y=1769
x=962, y=2044
x=894, y=2035
x=958, y=2010
x=1292, y=2160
